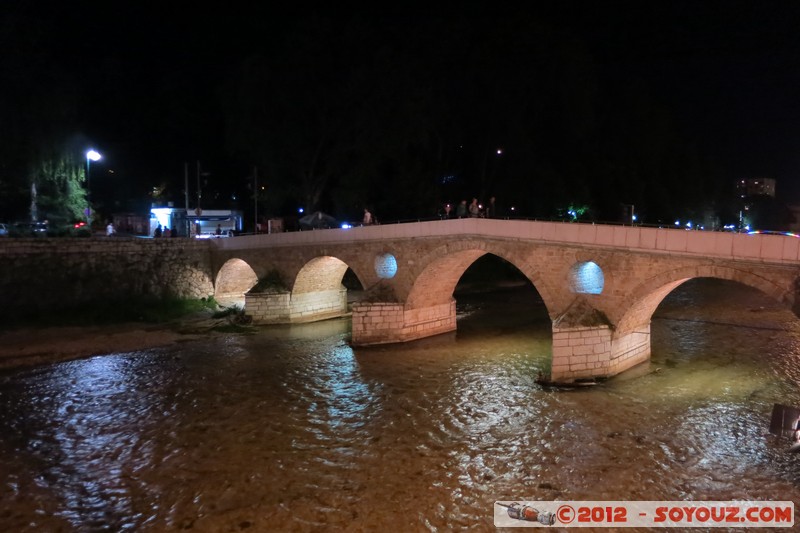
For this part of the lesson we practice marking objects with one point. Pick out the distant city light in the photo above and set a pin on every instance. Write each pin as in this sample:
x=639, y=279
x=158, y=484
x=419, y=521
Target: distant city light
x=93, y=155
x=633, y=218
x=689, y=224
x=300, y=210
x=345, y=225
x=499, y=151
x=677, y=222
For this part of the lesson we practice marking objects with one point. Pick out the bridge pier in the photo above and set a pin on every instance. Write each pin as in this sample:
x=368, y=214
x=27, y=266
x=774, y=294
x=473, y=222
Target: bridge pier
x=593, y=351
x=383, y=323
x=284, y=307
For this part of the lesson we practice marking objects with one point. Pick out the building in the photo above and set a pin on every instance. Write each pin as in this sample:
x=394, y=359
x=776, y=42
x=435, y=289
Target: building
x=746, y=188
x=198, y=223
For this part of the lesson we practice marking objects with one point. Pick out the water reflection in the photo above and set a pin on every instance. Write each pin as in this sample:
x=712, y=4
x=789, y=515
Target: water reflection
x=292, y=429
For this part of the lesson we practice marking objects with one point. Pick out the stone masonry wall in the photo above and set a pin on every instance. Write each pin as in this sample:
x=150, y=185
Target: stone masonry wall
x=584, y=352
x=580, y=352
x=381, y=323
x=53, y=274
x=284, y=307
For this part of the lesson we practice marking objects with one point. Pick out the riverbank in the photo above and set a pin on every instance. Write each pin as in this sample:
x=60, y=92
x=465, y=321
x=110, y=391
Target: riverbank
x=31, y=346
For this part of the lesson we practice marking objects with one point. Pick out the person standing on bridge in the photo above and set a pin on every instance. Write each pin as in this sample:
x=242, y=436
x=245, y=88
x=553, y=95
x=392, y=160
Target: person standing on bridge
x=491, y=208
x=367, y=218
x=474, y=209
x=461, y=210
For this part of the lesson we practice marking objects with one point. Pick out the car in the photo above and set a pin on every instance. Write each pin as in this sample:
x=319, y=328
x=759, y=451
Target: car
x=29, y=229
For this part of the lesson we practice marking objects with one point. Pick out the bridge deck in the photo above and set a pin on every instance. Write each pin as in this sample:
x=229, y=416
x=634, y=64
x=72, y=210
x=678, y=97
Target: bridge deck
x=727, y=245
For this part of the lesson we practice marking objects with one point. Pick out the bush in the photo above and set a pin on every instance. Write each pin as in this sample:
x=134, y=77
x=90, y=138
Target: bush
x=148, y=310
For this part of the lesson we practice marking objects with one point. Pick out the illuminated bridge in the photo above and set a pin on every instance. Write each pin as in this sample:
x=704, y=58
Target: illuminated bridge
x=600, y=283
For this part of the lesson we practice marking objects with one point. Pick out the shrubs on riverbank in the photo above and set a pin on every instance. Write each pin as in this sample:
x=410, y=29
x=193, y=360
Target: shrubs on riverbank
x=146, y=310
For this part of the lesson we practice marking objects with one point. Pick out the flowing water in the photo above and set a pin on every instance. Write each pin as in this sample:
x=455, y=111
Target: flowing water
x=291, y=429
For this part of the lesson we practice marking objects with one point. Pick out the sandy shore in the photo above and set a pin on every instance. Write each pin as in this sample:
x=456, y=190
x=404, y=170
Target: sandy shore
x=34, y=346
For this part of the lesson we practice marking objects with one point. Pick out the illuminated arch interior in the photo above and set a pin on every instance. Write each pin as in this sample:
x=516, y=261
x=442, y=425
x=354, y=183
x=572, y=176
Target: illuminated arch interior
x=233, y=280
x=320, y=274
x=435, y=285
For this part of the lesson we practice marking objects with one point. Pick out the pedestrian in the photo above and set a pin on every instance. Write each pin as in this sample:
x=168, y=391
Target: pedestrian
x=461, y=210
x=174, y=232
x=367, y=218
x=474, y=209
x=157, y=232
x=110, y=229
x=167, y=232
x=491, y=208
x=447, y=209
x=219, y=230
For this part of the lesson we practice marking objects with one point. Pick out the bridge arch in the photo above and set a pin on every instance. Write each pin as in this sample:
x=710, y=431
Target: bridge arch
x=322, y=273
x=440, y=270
x=233, y=280
x=314, y=292
x=647, y=296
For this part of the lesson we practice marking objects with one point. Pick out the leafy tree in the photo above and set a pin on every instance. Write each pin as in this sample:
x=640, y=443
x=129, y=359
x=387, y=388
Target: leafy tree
x=40, y=170
x=58, y=177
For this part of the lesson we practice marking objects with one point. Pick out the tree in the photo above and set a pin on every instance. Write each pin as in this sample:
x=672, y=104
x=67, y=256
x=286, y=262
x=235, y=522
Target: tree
x=57, y=177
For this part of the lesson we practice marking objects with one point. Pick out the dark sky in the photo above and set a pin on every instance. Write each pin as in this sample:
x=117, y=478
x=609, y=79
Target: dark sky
x=150, y=73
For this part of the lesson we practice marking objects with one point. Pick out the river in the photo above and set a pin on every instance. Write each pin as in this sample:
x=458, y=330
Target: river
x=291, y=429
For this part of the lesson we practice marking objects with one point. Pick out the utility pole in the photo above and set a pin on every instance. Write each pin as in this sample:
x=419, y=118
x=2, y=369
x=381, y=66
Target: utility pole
x=198, y=211
x=186, y=198
x=186, y=185
x=255, y=191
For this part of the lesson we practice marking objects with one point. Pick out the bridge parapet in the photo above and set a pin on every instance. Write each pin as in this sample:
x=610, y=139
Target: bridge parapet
x=727, y=245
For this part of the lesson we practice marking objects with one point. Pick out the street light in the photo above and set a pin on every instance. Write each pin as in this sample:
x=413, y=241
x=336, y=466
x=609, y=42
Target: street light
x=91, y=155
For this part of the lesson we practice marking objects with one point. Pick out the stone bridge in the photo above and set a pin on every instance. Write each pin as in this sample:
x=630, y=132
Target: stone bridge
x=600, y=284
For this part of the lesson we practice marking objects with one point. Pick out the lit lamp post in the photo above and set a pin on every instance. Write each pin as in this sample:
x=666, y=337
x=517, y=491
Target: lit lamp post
x=91, y=155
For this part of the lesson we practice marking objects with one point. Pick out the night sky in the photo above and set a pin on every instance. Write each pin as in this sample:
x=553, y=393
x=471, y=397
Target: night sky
x=152, y=87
